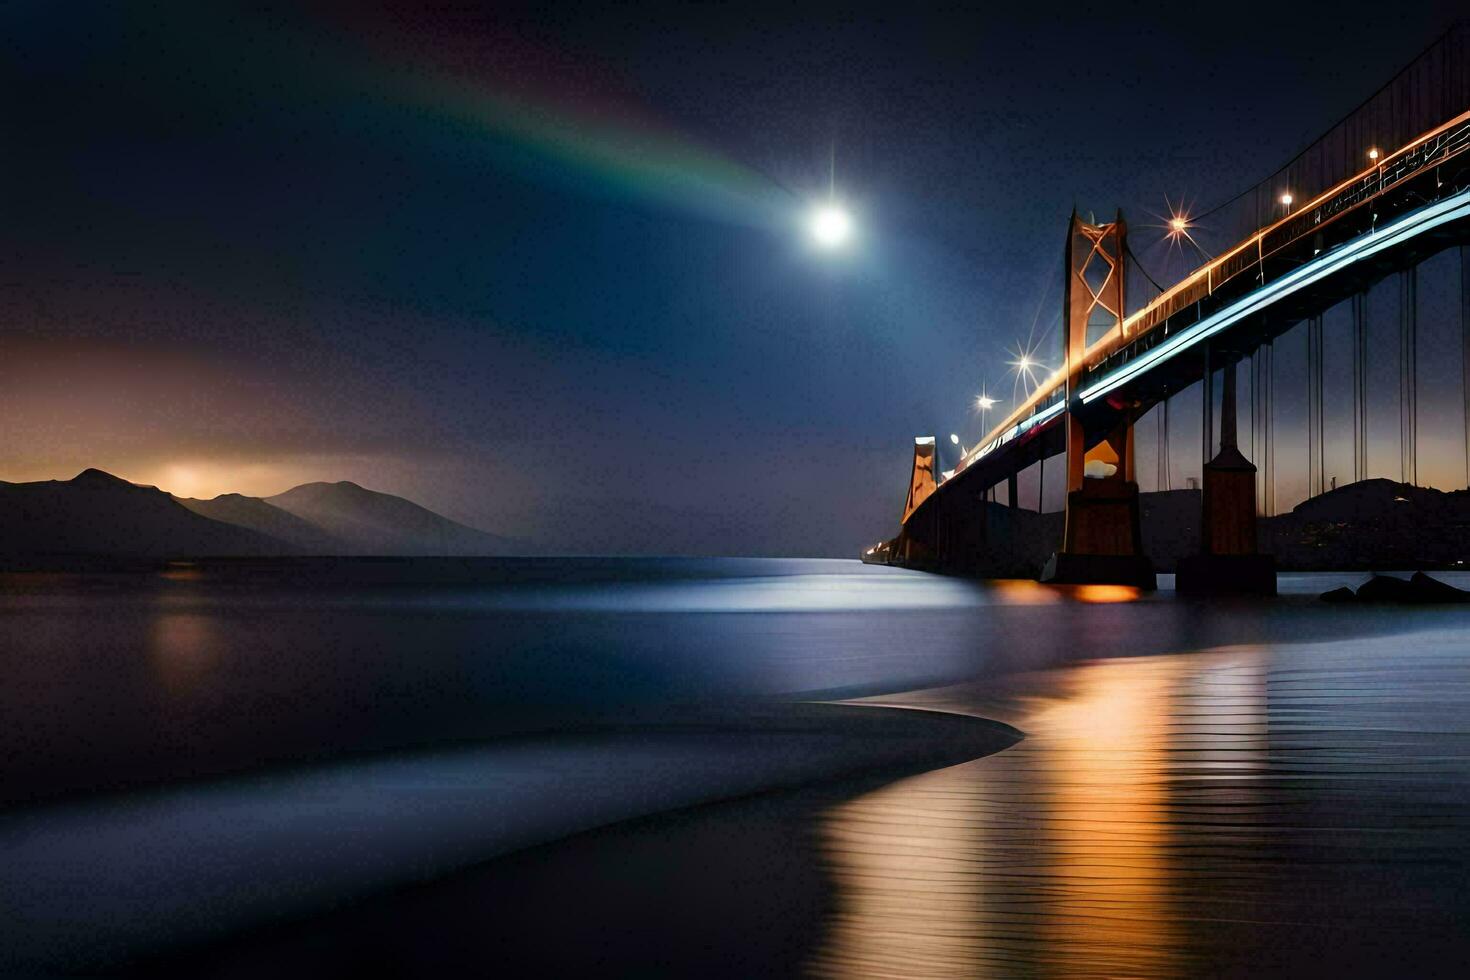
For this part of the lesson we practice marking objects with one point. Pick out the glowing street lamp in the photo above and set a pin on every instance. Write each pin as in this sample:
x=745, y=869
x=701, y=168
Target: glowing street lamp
x=1373, y=154
x=1177, y=225
x=1024, y=367
x=983, y=404
x=1286, y=200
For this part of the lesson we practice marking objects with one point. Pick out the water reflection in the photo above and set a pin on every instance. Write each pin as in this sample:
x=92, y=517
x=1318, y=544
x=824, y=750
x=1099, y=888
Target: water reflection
x=184, y=652
x=1242, y=812
x=252, y=665
x=1107, y=593
x=1272, y=806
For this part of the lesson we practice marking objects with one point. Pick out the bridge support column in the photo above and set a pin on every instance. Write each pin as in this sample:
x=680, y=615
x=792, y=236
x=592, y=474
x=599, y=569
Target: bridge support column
x=1360, y=389
x=1262, y=443
x=1316, y=429
x=1103, y=539
x=1228, y=562
x=1408, y=376
x=1465, y=348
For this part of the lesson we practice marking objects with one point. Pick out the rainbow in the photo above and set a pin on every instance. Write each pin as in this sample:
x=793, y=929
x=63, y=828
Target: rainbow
x=548, y=116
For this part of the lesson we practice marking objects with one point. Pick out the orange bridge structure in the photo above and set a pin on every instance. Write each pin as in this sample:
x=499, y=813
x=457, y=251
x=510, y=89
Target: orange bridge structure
x=1382, y=193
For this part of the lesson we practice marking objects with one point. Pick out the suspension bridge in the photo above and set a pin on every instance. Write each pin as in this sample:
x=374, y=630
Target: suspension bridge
x=1337, y=252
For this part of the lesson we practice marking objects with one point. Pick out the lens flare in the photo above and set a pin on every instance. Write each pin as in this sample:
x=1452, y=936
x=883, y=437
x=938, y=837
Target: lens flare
x=1025, y=366
x=1178, y=227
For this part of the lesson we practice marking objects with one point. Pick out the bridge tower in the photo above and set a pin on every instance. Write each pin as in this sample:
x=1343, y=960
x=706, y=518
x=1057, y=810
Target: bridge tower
x=1103, y=539
x=918, y=544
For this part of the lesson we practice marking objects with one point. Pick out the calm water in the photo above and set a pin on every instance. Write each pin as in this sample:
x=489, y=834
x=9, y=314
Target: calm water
x=1270, y=809
x=1241, y=788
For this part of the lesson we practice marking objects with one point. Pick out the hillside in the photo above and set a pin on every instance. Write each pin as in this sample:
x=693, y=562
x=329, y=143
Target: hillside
x=257, y=515
x=1372, y=524
x=96, y=514
x=372, y=523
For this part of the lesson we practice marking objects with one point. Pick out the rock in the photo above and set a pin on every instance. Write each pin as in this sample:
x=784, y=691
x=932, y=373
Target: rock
x=1386, y=588
x=1433, y=590
x=1418, y=589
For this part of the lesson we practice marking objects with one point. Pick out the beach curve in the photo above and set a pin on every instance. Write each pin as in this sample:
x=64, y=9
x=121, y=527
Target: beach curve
x=88, y=883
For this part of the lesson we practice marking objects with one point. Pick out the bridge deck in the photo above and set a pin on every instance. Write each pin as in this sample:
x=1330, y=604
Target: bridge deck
x=1416, y=196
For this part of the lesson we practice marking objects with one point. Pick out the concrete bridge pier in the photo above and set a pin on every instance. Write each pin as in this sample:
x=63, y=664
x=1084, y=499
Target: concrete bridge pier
x=1102, y=539
x=1228, y=562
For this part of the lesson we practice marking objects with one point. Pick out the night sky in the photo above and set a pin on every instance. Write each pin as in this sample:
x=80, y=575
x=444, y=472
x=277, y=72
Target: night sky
x=547, y=272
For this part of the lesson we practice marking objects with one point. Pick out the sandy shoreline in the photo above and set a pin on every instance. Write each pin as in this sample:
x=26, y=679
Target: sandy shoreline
x=93, y=883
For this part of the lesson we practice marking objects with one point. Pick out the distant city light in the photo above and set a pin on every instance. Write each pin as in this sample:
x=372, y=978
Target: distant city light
x=830, y=226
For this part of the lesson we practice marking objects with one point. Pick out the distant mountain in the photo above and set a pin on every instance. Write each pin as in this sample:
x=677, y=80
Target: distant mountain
x=1372, y=524
x=372, y=523
x=251, y=512
x=96, y=514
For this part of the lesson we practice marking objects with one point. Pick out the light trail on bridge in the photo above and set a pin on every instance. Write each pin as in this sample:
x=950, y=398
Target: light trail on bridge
x=1450, y=139
x=1453, y=209
x=1336, y=229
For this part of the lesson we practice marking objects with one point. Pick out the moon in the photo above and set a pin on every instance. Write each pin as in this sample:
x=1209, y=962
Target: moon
x=830, y=226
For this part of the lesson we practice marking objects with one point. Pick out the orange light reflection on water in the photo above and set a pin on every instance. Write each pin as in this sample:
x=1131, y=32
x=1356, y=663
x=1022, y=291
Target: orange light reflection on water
x=183, y=652
x=1024, y=592
x=1106, y=593
x=1059, y=854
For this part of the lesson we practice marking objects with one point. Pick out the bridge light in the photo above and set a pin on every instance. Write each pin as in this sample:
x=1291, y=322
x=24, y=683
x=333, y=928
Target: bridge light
x=1024, y=367
x=954, y=438
x=985, y=403
x=1286, y=199
x=1178, y=225
x=1373, y=154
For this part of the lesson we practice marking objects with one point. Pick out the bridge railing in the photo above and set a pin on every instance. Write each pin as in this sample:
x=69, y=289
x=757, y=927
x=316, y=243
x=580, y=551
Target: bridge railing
x=1432, y=149
x=1238, y=271
x=1246, y=266
x=1431, y=89
x=1330, y=172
